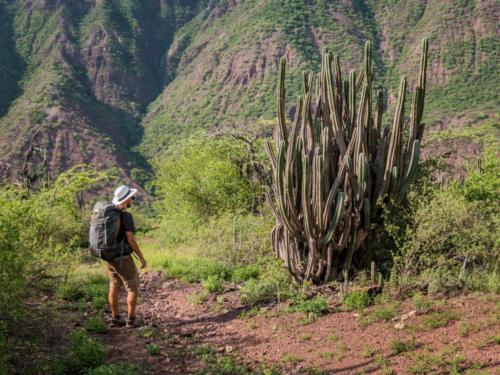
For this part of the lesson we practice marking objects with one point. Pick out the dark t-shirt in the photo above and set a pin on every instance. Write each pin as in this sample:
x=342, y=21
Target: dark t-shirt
x=126, y=225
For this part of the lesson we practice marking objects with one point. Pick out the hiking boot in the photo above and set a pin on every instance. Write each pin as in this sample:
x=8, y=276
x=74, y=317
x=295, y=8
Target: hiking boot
x=133, y=322
x=117, y=321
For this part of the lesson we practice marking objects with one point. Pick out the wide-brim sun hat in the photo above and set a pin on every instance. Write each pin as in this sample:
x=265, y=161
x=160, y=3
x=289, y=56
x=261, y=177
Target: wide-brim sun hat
x=122, y=193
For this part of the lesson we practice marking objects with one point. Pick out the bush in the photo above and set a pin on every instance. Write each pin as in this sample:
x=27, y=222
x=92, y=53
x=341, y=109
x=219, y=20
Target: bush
x=84, y=353
x=449, y=240
x=39, y=233
x=315, y=306
x=153, y=349
x=96, y=324
x=399, y=347
x=99, y=303
x=117, y=369
x=357, y=299
x=70, y=291
x=194, y=269
x=252, y=271
x=213, y=284
x=198, y=180
x=421, y=303
x=273, y=283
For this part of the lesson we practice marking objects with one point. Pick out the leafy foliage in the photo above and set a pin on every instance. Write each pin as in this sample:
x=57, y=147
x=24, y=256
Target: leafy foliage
x=84, y=353
x=450, y=236
x=40, y=233
x=117, y=369
x=357, y=299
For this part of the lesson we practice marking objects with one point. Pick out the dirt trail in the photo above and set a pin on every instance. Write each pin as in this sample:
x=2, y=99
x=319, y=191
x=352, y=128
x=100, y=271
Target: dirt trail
x=336, y=343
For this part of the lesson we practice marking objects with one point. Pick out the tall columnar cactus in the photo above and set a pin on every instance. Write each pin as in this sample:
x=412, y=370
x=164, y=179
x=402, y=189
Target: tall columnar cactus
x=335, y=165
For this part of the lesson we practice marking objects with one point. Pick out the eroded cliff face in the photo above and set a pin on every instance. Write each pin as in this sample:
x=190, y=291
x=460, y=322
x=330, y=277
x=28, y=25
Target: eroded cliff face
x=80, y=75
x=114, y=82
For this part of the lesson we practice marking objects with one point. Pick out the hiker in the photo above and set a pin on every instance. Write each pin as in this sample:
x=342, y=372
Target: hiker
x=122, y=269
x=112, y=239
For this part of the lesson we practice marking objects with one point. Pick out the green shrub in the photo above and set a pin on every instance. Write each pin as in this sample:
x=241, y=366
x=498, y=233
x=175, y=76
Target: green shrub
x=213, y=284
x=153, y=349
x=399, y=347
x=40, y=232
x=96, y=324
x=99, y=303
x=273, y=283
x=254, y=291
x=95, y=290
x=316, y=306
x=421, y=303
x=194, y=269
x=117, y=369
x=438, y=319
x=197, y=298
x=70, y=292
x=84, y=353
x=357, y=299
x=251, y=271
x=197, y=180
x=449, y=240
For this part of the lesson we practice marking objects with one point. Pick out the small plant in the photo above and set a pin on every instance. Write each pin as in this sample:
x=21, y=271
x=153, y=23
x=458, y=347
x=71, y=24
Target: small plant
x=381, y=361
x=464, y=328
x=399, y=347
x=326, y=355
x=117, y=369
x=381, y=312
x=70, y=292
x=99, y=303
x=291, y=358
x=487, y=341
x=332, y=337
x=197, y=298
x=224, y=365
x=84, y=353
x=94, y=291
x=96, y=324
x=356, y=300
x=368, y=352
x=250, y=313
x=213, y=284
x=252, y=271
x=254, y=291
x=438, y=319
x=194, y=270
x=153, y=349
x=315, y=306
x=421, y=303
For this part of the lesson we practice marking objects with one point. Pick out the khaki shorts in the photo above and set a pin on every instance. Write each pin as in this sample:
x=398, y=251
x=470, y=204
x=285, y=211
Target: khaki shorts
x=126, y=275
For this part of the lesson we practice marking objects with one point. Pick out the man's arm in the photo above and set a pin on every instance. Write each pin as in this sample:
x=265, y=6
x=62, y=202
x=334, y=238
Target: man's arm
x=135, y=247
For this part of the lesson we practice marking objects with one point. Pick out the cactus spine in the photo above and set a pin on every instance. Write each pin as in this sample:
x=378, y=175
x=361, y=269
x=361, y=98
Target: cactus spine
x=336, y=165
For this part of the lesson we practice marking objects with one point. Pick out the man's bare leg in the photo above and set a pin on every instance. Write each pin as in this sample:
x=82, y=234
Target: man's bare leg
x=131, y=303
x=113, y=302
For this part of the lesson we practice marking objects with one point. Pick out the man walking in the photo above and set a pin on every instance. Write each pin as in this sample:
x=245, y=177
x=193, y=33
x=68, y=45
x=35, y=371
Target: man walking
x=122, y=270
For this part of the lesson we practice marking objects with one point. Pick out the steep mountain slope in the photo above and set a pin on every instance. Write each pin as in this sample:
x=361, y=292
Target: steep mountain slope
x=114, y=82
x=226, y=60
x=85, y=71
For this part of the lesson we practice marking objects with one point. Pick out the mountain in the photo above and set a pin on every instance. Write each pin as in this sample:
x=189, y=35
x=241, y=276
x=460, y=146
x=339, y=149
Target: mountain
x=115, y=82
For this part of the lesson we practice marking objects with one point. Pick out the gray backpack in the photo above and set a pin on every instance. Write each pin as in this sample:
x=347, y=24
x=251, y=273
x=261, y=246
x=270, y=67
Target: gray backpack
x=103, y=233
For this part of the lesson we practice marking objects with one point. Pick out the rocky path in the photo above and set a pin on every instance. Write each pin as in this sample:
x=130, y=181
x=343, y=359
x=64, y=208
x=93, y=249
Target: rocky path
x=337, y=343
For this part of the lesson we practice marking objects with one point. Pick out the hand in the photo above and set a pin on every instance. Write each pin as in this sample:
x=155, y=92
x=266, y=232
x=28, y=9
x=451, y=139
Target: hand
x=143, y=262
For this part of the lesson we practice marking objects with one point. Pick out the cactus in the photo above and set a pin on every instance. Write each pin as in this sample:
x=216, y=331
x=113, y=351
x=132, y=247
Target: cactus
x=335, y=166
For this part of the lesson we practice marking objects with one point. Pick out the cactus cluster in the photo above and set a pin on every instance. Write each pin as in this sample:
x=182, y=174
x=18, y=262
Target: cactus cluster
x=335, y=165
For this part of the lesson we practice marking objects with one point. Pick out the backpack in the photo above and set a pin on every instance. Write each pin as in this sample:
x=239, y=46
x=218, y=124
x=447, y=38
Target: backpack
x=103, y=233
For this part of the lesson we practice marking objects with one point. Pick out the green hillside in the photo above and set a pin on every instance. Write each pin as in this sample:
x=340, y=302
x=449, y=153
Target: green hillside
x=115, y=82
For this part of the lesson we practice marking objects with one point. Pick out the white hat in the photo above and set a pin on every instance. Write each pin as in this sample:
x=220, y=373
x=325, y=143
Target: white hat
x=123, y=193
